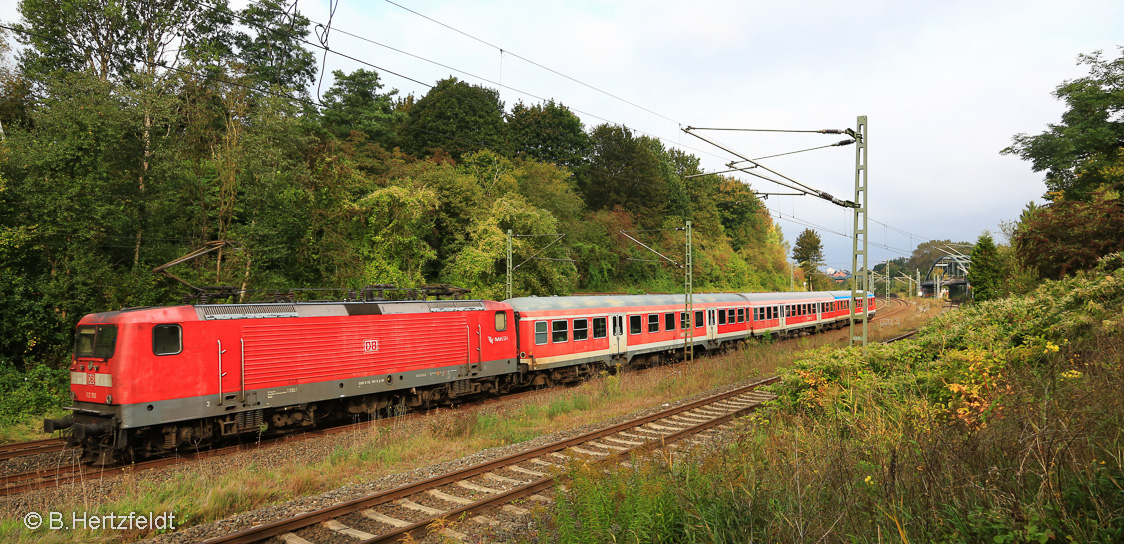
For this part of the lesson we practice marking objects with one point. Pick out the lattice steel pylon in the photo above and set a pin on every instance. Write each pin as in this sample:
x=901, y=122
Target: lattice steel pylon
x=860, y=275
x=689, y=301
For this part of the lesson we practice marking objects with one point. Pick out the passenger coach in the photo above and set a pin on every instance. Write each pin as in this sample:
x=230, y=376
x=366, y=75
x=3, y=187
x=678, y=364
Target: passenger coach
x=614, y=330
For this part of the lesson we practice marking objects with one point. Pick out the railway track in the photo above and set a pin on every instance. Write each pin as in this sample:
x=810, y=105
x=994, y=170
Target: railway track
x=34, y=447
x=411, y=511
x=59, y=475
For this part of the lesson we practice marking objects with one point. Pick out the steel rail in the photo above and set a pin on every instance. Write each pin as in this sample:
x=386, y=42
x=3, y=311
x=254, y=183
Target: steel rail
x=262, y=532
x=33, y=447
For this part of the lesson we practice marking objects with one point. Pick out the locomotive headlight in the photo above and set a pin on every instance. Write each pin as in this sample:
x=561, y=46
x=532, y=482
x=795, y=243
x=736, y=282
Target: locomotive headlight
x=109, y=399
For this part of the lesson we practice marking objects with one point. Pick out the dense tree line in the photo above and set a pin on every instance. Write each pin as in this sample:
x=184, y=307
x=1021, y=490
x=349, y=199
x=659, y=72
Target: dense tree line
x=169, y=125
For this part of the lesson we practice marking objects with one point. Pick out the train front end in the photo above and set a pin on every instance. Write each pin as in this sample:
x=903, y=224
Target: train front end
x=93, y=391
x=109, y=350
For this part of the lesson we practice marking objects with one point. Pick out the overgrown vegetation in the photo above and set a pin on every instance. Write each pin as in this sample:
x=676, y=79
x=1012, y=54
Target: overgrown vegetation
x=122, y=153
x=998, y=423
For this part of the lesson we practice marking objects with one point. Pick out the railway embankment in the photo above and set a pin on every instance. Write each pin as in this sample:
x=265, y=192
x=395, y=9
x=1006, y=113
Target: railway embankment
x=1000, y=422
x=240, y=490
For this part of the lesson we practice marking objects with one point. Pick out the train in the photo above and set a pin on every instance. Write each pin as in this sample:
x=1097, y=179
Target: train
x=148, y=382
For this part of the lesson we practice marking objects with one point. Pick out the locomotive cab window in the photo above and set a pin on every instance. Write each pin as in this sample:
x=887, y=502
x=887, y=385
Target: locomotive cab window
x=501, y=321
x=540, y=332
x=167, y=340
x=95, y=341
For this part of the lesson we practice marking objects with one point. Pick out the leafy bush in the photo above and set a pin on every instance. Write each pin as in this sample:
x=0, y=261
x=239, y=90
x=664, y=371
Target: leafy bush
x=25, y=394
x=996, y=423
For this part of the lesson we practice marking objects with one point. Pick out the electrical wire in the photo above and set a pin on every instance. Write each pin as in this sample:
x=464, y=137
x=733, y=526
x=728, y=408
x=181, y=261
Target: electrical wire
x=301, y=39
x=529, y=61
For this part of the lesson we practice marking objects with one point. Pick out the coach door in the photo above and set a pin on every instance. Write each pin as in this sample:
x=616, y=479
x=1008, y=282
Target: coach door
x=618, y=342
x=712, y=324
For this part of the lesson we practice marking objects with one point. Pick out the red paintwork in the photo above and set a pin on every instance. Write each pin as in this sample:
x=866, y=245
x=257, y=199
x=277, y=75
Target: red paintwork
x=285, y=351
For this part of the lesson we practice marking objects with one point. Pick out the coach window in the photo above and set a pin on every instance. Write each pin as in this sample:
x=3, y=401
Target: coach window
x=721, y=317
x=540, y=332
x=733, y=316
x=653, y=322
x=559, y=331
x=167, y=340
x=683, y=320
x=699, y=319
x=501, y=321
x=581, y=329
x=741, y=315
x=599, y=328
x=669, y=321
x=634, y=324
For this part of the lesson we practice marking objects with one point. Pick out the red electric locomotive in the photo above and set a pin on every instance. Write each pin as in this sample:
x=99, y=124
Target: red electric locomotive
x=148, y=381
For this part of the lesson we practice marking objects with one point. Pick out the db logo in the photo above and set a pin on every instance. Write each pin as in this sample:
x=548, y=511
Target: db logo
x=370, y=346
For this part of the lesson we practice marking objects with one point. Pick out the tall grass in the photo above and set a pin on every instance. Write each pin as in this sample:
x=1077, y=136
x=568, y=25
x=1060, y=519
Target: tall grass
x=999, y=423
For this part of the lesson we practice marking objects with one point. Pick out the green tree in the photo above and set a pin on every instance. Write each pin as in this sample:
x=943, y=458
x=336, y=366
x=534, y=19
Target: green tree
x=455, y=117
x=1071, y=235
x=623, y=171
x=548, y=133
x=808, y=253
x=273, y=54
x=1083, y=151
x=353, y=103
x=107, y=39
x=986, y=275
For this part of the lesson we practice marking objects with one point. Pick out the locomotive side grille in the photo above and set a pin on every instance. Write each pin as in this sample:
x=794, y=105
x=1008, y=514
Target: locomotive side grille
x=247, y=311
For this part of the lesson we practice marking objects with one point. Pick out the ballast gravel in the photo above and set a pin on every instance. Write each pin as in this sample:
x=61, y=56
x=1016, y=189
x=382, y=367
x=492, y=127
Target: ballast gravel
x=96, y=492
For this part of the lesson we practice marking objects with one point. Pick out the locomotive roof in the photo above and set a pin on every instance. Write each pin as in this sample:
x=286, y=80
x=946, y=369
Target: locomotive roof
x=328, y=309
x=530, y=304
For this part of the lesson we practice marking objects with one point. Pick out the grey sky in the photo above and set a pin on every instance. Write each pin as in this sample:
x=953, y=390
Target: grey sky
x=945, y=86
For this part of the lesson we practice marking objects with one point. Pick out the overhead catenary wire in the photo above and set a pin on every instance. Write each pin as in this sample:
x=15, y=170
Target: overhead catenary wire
x=338, y=30
x=529, y=61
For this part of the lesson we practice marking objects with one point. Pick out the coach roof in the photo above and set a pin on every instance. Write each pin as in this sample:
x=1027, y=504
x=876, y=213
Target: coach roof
x=531, y=304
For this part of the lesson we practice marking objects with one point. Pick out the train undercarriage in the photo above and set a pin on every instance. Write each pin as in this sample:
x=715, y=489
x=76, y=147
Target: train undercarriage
x=104, y=444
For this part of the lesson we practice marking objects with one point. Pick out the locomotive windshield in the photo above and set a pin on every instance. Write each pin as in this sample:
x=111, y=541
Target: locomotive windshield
x=95, y=341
